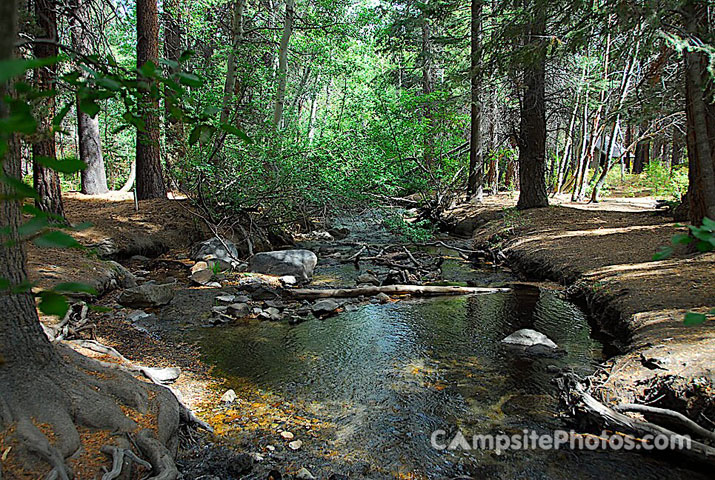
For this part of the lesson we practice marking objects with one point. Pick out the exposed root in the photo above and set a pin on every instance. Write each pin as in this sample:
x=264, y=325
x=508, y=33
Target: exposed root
x=119, y=457
x=161, y=459
x=43, y=411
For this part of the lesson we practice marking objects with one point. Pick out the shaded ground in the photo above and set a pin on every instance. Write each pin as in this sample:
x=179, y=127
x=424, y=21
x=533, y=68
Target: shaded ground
x=603, y=252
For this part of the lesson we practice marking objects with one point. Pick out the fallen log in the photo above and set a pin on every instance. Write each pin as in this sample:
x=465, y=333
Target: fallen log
x=368, y=291
x=670, y=415
x=575, y=397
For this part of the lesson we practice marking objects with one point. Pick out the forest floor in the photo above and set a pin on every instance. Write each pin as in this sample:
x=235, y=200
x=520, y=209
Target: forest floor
x=604, y=253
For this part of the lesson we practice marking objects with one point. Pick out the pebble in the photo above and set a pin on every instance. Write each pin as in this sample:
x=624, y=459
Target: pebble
x=295, y=444
x=287, y=435
x=304, y=474
x=382, y=297
x=228, y=397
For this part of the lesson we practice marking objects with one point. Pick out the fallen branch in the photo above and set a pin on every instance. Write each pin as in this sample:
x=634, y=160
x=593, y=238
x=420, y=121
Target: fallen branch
x=417, y=290
x=580, y=403
x=671, y=415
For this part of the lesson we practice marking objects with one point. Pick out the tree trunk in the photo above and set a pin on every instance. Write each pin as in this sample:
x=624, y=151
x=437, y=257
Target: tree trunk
x=229, y=86
x=427, y=89
x=283, y=64
x=700, y=113
x=94, y=177
x=475, y=183
x=21, y=337
x=642, y=154
x=47, y=181
x=532, y=134
x=173, y=127
x=150, y=179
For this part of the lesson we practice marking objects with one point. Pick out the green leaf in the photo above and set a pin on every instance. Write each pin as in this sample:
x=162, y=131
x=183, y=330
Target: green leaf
x=74, y=287
x=99, y=308
x=57, y=121
x=186, y=55
x=663, y=253
x=89, y=107
x=22, y=190
x=82, y=226
x=108, y=83
x=4, y=283
x=235, y=131
x=189, y=79
x=52, y=303
x=56, y=239
x=15, y=67
x=703, y=246
x=66, y=165
x=692, y=318
x=32, y=226
x=709, y=224
x=148, y=69
x=681, y=239
x=195, y=134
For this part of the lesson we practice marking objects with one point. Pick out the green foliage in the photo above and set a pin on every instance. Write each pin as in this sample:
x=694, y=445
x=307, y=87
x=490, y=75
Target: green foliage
x=663, y=181
x=416, y=232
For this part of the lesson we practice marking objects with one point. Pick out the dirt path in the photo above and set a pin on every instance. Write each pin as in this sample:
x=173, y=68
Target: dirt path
x=603, y=253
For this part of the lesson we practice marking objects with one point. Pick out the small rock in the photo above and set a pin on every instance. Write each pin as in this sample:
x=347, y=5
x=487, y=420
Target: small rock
x=337, y=476
x=139, y=315
x=228, y=299
x=198, y=266
x=202, y=277
x=273, y=313
x=241, y=299
x=139, y=258
x=325, y=307
x=287, y=435
x=288, y=280
x=270, y=448
x=256, y=310
x=368, y=278
x=213, y=285
x=219, y=309
x=275, y=304
x=339, y=233
x=239, y=310
x=295, y=444
x=382, y=297
x=214, y=249
x=264, y=293
x=228, y=397
x=304, y=474
x=147, y=295
x=257, y=457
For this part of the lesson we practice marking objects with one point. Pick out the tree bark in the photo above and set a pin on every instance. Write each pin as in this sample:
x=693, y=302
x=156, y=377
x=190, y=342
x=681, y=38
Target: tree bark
x=47, y=181
x=173, y=127
x=700, y=114
x=150, y=179
x=427, y=89
x=532, y=134
x=475, y=183
x=94, y=177
x=283, y=64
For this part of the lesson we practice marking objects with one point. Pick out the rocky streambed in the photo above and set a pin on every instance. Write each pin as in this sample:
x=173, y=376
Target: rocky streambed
x=357, y=387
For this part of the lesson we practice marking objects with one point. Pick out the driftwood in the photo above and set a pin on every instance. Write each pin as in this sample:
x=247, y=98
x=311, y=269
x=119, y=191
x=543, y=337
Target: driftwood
x=580, y=403
x=670, y=415
x=417, y=290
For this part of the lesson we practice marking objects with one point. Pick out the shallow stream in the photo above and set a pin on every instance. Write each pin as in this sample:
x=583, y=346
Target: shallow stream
x=364, y=390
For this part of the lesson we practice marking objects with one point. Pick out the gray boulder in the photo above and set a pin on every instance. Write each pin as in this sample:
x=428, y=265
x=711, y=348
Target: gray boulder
x=529, y=338
x=147, y=295
x=298, y=263
x=239, y=310
x=221, y=251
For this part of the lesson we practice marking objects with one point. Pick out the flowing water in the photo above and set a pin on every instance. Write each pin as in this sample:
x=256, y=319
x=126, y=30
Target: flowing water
x=364, y=390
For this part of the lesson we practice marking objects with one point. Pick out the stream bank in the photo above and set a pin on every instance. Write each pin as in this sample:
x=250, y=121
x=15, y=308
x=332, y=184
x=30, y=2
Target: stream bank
x=603, y=256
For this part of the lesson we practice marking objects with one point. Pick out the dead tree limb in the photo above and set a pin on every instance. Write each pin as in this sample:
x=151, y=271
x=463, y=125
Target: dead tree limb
x=417, y=290
x=671, y=415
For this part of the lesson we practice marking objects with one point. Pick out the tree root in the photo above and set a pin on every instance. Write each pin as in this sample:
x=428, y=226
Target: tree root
x=158, y=455
x=59, y=410
x=119, y=455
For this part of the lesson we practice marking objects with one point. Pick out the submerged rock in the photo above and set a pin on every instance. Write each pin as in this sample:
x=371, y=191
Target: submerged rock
x=147, y=295
x=298, y=263
x=528, y=338
x=382, y=297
